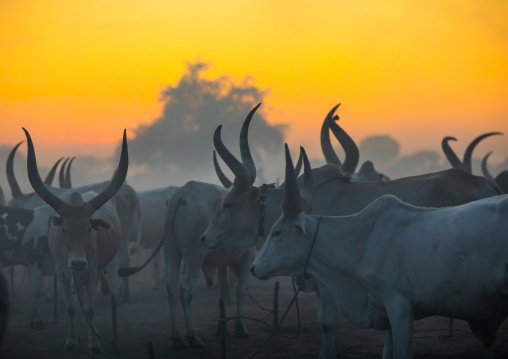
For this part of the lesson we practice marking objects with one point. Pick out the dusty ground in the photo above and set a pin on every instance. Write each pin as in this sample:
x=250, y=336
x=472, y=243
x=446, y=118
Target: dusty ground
x=146, y=319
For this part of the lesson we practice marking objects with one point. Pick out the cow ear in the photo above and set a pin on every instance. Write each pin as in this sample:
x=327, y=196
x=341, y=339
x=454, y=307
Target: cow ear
x=300, y=228
x=96, y=223
x=56, y=221
x=253, y=194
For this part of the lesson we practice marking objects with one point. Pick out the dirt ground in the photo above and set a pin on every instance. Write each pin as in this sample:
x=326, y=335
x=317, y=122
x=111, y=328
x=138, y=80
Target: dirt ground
x=146, y=319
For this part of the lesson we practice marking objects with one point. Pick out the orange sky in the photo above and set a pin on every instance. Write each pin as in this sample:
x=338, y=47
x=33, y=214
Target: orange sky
x=76, y=73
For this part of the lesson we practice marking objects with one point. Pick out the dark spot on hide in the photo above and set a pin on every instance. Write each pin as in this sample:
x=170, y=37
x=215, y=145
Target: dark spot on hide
x=3, y=232
x=183, y=202
x=13, y=230
x=2, y=221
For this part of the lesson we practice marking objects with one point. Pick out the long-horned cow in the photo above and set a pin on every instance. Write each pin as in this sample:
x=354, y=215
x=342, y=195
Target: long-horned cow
x=333, y=193
x=393, y=263
x=84, y=237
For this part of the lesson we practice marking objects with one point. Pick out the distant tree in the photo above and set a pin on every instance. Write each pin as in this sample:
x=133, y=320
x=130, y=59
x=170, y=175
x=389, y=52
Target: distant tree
x=380, y=149
x=181, y=138
x=416, y=164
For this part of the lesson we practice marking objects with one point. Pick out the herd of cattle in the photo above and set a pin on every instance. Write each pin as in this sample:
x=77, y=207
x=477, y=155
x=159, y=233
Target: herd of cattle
x=380, y=252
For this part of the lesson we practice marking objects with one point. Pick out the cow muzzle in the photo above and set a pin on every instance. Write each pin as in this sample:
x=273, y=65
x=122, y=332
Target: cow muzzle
x=78, y=263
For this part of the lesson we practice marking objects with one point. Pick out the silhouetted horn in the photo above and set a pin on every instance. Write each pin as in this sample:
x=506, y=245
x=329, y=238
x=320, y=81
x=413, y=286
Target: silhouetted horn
x=68, y=181
x=326, y=145
x=349, y=146
x=35, y=179
x=247, y=160
x=485, y=170
x=2, y=197
x=117, y=181
x=11, y=178
x=242, y=176
x=298, y=166
x=292, y=202
x=222, y=177
x=51, y=175
x=450, y=154
x=61, y=175
x=308, y=179
x=468, y=154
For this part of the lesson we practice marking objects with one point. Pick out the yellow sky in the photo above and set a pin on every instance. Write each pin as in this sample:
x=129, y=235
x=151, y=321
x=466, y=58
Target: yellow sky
x=76, y=73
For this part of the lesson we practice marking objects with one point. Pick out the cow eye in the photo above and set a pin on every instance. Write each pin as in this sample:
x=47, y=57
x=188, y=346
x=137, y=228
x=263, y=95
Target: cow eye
x=227, y=205
x=275, y=233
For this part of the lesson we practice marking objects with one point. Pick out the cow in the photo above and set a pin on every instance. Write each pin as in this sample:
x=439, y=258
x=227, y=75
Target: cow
x=127, y=205
x=249, y=211
x=367, y=171
x=188, y=214
x=84, y=237
x=393, y=263
x=501, y=179
x=153, y=209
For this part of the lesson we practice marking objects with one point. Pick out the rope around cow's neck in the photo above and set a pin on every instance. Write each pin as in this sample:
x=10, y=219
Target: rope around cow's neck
x=295, y=297
x=112, y=342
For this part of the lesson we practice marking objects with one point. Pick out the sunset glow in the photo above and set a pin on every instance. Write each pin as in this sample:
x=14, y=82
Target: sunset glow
x=76, y=73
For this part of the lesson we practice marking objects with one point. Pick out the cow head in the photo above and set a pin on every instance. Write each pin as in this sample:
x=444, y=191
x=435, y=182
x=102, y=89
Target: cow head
x=287, y=246
x=72, y=227
x=237, y=220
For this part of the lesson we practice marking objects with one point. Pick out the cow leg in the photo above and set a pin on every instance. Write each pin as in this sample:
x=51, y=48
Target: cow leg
x=156, y=263
x=241, y=271
x=70, y=304
x=189, y=280
x=35, y=293
x=93, y=343
x=485, y=331
x=401, y=317
x=328, y=320
x=224, y=284
x=173, y=257
x=388, y=347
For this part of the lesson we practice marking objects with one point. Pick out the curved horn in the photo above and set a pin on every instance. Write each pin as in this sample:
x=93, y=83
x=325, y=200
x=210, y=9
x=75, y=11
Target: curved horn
x=222, y=177
x=485, y=170
x=2, y=197
x=116, y=182
x=468, y=154
x=247, y=160
x=326, y=145
x=450, y=155
x=349, y=146
x=61, y=175
x=68, y=181
x=298, y=166
x=35, y=179
x=242, y=176
x=292, y=202
x=308, y=179
x=9, y=169
x=51, y=175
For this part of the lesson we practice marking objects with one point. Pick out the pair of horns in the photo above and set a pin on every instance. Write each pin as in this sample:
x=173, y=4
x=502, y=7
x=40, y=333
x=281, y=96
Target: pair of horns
x=292, y=204
x=350, y=148
x=64, y=178
x=454, y=160
x=95, y=203
x=244, y=171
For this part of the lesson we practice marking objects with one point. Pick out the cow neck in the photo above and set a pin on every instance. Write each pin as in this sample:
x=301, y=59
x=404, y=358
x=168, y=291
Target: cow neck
x=262, y=205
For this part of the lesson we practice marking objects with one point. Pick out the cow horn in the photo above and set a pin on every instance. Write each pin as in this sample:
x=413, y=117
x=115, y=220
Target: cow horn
x=51, y=175
x=485, y=170
x=468, y=154
x=298, y=166
x=2, y=197
x=247, y=160
x=61, y=176
x=349, y=146
x=68, y=181
x=35, y=179
x=242, y=176
x=222, y=177
x=116, y=182
x=292, y=202
x=326, y=146
x=450, y=155
x=11, y=178
x=308, y=179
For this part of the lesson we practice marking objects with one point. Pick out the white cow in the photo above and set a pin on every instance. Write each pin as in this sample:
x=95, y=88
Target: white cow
x=83, y=238
x=394, y=263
